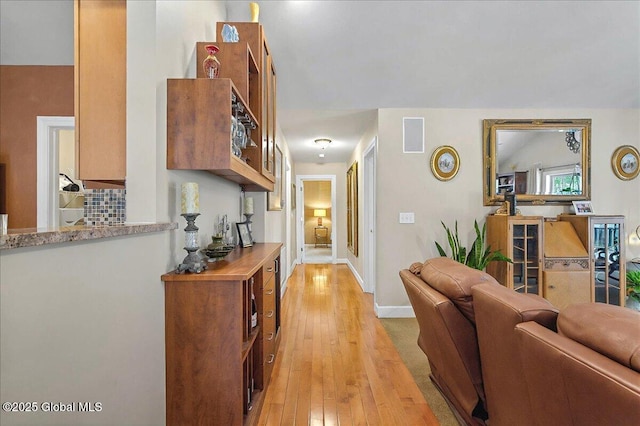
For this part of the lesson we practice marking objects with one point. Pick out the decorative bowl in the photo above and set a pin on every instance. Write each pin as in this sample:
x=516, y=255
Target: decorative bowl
x=218, y=252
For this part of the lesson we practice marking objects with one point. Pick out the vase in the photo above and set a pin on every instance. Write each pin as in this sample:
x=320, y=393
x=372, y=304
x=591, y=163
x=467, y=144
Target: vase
x=211, y=64
x=255, y=11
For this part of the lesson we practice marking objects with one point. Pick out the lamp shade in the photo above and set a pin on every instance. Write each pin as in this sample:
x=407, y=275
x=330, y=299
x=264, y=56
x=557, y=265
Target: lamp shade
x=319, y=213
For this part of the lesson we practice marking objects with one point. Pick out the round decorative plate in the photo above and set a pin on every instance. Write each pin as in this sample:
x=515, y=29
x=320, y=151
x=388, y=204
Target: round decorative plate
x=625, y=162
x=445, y=162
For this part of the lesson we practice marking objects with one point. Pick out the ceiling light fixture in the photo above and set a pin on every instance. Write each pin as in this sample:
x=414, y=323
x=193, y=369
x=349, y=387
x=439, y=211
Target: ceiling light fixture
x=323, y=142
x=321, y=155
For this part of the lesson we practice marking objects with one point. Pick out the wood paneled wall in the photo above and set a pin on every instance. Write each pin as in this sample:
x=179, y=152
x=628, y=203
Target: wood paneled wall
x=27, y=92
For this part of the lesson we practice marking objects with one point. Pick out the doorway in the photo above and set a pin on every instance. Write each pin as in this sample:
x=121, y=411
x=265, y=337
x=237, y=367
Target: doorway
x=55, y=155
x=316, y=218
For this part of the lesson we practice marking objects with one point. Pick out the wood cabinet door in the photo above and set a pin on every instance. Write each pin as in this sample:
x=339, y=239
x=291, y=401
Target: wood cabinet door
x=563, y=288
x=101, y=88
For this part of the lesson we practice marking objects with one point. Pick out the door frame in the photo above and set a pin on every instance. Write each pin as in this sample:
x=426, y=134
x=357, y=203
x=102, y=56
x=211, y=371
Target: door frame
x=48, y=169
x=369, y=216
x=300, y=179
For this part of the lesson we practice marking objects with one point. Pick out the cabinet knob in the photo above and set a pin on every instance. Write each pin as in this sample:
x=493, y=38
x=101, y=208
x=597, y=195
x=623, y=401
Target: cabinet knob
x=271, y=358
x=270, y=269
x=270, y=338
x=269, y=292
x=270, y=314
x=551, y=287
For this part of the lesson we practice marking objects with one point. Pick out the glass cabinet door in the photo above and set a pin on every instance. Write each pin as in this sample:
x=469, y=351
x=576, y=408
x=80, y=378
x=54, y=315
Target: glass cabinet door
x=526, y=258
x=607, y=277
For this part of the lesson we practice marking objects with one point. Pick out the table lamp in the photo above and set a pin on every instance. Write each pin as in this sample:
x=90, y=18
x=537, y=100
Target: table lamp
x=319, y=213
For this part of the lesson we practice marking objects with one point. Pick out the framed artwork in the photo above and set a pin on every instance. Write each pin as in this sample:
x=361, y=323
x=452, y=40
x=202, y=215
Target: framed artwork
x=445, y=162
x=274, y=199
x=583, y=207
x=625, y=162
x=244, y=234
x=293, y=196
x=352, y=208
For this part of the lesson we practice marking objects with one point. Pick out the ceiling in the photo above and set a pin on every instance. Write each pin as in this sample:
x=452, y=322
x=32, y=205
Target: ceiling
x=339, y=61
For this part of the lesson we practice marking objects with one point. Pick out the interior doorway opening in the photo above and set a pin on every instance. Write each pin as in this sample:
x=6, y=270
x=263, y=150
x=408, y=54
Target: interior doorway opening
x=317, y=219
x=56, y=156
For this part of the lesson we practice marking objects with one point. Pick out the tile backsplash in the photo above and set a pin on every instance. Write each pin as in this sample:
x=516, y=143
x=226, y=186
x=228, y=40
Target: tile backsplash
x=103, y=207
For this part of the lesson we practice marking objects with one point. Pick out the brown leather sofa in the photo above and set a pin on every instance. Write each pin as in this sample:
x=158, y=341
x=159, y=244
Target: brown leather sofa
x=440, y=293
x=516, y=357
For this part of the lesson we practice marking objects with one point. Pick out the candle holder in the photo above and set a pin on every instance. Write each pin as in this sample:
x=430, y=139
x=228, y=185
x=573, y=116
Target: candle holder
x=248, y=218
x=194, y=262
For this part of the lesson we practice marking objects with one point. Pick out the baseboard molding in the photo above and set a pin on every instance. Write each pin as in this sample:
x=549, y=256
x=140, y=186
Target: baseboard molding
x=394, y=311
x=354, y=272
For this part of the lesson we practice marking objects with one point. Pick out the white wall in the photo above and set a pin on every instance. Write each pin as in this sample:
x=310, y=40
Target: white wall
x=405, y=183
x=84, y=322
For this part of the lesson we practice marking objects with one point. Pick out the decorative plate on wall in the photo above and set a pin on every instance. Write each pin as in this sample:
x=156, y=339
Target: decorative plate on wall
x=445, y=162
x=625, y=162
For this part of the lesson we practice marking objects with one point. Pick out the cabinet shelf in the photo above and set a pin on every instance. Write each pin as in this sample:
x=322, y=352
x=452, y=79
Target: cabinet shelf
x=247, y=345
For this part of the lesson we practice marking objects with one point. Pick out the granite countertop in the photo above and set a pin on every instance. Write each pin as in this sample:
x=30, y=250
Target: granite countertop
x=29, y=237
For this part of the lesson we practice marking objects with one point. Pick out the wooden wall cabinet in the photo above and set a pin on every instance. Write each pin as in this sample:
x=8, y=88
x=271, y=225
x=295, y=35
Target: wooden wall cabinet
x=253, y=34
x=101, y=89
x=218, y=364
x=520, y=239
x=604, y=238
x=199, y=135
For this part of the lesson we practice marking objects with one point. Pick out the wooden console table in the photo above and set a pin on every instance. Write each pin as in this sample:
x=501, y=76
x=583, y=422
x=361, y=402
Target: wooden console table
x=218, y=363
x=321, y=235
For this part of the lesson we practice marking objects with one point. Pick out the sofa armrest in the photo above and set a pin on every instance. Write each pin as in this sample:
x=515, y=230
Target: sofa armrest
x=573, y=385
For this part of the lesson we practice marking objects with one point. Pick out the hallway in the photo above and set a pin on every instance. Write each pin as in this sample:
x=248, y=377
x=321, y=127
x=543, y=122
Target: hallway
x=336, y=364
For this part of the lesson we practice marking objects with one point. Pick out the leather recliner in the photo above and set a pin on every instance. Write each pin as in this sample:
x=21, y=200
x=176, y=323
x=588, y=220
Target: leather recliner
x=498, y=310
x=440, y=293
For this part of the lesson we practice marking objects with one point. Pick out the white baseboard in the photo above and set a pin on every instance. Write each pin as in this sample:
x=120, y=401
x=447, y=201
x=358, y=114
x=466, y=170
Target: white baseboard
x=394, y=311
x=353, y=271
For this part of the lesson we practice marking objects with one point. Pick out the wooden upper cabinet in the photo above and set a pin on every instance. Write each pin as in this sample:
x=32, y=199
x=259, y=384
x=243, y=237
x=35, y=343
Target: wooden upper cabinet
x=100, y=88
x=253, y=34
x=199, y=125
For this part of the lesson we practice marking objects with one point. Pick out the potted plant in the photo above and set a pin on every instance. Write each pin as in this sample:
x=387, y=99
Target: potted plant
x=633, y=290
x=477, y=256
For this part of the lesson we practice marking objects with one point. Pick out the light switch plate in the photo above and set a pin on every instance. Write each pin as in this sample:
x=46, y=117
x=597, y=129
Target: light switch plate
x=407, y=218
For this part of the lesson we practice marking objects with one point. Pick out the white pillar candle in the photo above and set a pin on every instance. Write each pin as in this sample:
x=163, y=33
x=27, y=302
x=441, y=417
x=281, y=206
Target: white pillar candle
x=248, y=205
x=190, y=198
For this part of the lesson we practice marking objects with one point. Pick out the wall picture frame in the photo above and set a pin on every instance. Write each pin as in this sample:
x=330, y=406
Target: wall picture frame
x=244, y=234
x=274, y=198
x=625, y=162
x=445, y=162
x=352, y=209
x=583, y=207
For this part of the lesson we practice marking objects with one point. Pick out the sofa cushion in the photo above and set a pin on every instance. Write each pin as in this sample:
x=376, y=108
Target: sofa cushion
x=455, y=280
x=611, y=330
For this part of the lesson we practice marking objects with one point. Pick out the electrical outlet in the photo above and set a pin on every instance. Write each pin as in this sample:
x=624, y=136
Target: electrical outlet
x=407, y=218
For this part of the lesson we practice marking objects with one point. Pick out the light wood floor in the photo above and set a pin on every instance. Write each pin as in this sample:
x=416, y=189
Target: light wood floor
x=336, y=365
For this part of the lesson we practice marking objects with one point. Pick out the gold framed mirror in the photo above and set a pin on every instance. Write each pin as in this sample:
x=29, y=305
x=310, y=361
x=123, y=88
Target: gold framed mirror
x=541, y=161
x=352, y=208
